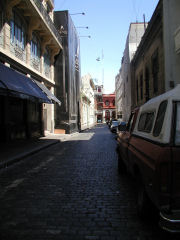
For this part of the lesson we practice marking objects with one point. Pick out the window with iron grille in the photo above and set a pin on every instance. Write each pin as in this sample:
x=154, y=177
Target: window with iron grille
x=141, y=86
x=17, y=31
x=155, y=70
x=137, y=91
x=35, y=47
x=47, y=62
x=147, y=83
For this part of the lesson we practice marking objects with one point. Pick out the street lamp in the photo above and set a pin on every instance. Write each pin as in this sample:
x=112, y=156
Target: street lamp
x=82, y=27
x=77, y=13
x=85, y=36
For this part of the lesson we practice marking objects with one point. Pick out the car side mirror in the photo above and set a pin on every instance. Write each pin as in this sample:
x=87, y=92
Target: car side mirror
x=122, y=127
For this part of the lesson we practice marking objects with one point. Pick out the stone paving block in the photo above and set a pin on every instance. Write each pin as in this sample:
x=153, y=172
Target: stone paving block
x=72, y=191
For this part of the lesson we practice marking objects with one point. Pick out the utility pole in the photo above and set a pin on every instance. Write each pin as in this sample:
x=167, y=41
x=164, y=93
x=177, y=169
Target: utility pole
x=144, y=22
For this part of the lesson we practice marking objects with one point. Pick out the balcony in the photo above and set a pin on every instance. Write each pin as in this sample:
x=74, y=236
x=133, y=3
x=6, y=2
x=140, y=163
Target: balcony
x=47, y=18
x=39, y=19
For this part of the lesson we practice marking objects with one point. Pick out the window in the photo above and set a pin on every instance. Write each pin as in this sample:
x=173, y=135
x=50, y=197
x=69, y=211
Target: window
x=35, y=46
x=147, y=83
x=17, y=31
x=99, y=99
x=107, y=114
x=113, y=102
x=47, y=62
x=113, y=114
x=177, y=135
x=146, y=122
x=141, y=86
x=107, y=103
x=155, y=70
x=160, y=119
x=137, y=93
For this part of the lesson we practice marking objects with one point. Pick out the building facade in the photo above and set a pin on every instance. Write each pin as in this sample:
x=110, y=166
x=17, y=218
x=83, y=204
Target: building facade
x=119, y=96
x=98, y=98
x=171, y=38
x=67, y=75
x=109, y=108
x=155, y=66
x=123, y=80
x=87, y=102
x=148, y=62
x=29, y=43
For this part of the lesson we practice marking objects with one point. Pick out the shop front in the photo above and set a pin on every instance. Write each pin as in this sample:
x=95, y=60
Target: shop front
x=21, y=102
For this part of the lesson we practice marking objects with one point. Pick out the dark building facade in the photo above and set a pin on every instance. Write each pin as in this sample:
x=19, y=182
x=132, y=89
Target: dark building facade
x=67, y=75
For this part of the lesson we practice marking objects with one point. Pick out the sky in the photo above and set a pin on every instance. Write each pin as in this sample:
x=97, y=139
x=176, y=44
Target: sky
x=108, y=24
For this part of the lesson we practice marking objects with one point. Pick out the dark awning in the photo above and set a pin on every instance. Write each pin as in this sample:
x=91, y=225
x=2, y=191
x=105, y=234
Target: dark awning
x=19, y=85
x=47, y=92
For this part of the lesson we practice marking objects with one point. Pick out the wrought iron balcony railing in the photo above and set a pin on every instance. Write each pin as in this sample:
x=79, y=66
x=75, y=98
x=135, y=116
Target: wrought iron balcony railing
x=48, y=19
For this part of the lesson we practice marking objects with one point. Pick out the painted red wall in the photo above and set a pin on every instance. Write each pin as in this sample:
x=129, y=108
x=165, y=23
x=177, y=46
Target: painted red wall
x=111, y=99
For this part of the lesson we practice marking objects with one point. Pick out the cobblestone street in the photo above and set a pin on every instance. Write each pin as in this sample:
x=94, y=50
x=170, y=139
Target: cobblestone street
x=72, y=190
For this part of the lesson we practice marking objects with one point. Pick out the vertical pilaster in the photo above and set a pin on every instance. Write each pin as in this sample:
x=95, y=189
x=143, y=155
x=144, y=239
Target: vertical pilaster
x=28, y=52
x=7, y=36
x=52, y=113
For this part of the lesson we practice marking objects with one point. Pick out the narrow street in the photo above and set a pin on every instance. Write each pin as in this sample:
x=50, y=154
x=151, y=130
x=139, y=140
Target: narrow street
x=72, y=190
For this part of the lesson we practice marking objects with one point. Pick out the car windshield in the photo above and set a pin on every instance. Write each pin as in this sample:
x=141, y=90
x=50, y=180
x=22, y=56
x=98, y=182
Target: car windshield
x=115, y=123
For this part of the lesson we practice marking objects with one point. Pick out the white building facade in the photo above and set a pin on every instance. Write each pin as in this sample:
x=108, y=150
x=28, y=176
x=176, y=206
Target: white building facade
x=123, y=79
x=87, y=102
x=119, y=96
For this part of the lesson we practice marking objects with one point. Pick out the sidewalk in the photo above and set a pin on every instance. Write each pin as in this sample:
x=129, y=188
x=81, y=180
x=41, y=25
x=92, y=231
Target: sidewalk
x=17, y=150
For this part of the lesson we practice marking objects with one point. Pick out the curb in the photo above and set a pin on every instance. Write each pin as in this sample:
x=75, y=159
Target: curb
x=19, y=157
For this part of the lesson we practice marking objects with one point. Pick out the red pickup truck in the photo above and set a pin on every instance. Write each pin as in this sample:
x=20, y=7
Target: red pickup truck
x=149, y=148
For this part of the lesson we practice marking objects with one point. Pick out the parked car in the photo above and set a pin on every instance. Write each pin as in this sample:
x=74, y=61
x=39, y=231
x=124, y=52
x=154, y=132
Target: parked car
x=114, y=126
x=122, y=126
x=149, y=149
x=110, y=122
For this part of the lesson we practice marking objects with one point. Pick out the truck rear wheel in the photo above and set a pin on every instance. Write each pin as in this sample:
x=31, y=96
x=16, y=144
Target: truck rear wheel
x=143, y=202
x=121, y=165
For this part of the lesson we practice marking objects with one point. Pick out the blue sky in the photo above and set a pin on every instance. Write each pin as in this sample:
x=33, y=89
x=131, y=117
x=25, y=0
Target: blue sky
x=108, y=22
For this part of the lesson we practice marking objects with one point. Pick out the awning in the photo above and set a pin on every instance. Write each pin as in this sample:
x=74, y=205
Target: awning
x=2, y=85
x=17, y=84
x=47, y=92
